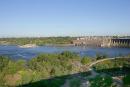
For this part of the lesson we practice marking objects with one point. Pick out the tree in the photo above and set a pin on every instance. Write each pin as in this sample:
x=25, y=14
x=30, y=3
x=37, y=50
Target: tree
x=85, y=60
x=69, y=54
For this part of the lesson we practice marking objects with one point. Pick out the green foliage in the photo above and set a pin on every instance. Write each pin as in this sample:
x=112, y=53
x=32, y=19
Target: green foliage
x=27, y=77
x=15, y=66
x=2, y=82
x=39, y=69
x=126, y=80
x=68, y=54
x=54, y=64
x=85, y=60
x=115, y=63
x=100, y=81
x=119, y=66
x=3, y=62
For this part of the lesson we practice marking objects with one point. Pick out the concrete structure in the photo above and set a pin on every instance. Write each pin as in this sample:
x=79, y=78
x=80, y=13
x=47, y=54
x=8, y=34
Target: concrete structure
x=120, y=42
x=99, y=41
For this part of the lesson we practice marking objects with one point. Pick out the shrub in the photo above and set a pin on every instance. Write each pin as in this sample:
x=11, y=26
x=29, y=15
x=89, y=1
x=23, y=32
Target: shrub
x=85, y=60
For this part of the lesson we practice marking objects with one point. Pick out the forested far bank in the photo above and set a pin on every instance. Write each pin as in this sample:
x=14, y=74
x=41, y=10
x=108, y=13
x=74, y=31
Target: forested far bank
x=37, y=41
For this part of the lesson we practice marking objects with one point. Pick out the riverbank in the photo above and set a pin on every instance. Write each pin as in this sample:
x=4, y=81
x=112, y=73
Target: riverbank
x=52, y=45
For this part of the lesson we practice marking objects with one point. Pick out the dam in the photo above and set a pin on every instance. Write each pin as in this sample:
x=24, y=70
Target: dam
x=99, y=41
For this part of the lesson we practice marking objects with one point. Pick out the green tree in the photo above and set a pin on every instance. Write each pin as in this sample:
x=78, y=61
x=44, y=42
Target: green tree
x=85, y=60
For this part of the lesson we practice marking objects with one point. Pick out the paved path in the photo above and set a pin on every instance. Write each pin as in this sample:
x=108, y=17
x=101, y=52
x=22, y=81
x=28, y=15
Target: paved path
x=98, y=61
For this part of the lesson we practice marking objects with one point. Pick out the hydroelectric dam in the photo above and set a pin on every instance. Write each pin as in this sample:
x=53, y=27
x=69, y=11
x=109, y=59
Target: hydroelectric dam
x=99, y=41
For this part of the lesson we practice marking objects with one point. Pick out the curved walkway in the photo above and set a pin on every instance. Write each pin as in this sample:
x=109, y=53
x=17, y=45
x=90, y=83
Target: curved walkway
x=101, y=60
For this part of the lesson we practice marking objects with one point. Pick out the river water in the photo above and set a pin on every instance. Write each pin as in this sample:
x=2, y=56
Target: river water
x=16, y=52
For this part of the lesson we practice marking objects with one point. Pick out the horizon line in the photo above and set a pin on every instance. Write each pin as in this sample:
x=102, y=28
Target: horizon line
x=64, y=36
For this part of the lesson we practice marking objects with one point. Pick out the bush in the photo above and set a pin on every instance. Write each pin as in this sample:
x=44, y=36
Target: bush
x=4, y=61
x=100, y=56
x=85, y=60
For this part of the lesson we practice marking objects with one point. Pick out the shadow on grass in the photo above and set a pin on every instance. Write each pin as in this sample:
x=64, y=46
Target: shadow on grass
x=54, y=82
x=58, y=81
x=115, y=71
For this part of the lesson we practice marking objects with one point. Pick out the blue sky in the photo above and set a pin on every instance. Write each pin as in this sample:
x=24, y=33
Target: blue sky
x=20, y=18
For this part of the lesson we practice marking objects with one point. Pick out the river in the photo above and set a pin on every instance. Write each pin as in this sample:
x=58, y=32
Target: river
x=16, y=52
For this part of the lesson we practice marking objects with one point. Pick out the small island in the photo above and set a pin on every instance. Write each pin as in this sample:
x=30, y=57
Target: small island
x=28, y=46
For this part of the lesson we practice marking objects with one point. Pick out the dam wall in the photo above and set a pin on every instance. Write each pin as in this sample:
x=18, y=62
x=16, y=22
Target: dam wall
x=102, y=41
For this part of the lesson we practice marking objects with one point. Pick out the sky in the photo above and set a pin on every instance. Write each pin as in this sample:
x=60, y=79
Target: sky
x=42, y=18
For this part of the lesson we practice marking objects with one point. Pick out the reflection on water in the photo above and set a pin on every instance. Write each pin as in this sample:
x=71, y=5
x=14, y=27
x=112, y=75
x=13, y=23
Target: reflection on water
x=27, y=53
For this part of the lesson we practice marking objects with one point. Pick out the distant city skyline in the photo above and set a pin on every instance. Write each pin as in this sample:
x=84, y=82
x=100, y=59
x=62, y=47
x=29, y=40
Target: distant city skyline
x=48, y=18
